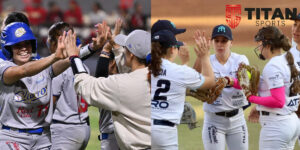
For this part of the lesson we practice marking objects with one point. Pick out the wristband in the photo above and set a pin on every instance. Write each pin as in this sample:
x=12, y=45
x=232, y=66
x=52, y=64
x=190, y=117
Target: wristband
x=71, y=57
x=77, y=65
x=105, y=53
x=230, y=81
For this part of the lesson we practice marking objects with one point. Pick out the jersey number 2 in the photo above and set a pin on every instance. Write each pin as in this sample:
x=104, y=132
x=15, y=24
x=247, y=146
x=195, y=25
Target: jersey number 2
x=164, y=88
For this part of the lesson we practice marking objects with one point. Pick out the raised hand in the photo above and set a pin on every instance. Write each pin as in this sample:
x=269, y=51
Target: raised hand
x=202, y=45
x=184, y=55
x=70, y=43
x=118, y=25
x=60, y=52
x=101, y=38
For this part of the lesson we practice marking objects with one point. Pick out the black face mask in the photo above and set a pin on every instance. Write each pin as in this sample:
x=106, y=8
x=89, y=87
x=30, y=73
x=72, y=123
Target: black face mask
x=260, y=56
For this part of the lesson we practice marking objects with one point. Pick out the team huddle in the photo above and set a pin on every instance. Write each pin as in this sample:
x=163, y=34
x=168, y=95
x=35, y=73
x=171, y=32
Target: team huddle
x=140, y=91
x=227, y=85
x=44, y=101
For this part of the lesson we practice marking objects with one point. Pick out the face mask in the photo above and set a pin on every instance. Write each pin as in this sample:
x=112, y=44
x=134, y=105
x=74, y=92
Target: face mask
x=260, y=56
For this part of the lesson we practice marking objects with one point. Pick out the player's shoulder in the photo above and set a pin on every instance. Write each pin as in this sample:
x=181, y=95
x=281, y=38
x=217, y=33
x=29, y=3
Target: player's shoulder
x=276, y=63
x=4, y=63
x=174, y=68
x=238, y=57
x=293, y=49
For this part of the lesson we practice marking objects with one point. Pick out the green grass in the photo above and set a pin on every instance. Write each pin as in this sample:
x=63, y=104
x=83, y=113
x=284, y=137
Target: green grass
x=191, y=139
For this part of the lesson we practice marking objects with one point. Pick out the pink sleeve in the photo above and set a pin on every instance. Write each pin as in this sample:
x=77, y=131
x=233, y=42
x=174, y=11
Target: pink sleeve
x=276, y=100
x=236, y=84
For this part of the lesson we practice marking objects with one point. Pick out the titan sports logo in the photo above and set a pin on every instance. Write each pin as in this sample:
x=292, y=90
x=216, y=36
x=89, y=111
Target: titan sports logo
x=263, y=16
x=233, y=15
x=271, y=17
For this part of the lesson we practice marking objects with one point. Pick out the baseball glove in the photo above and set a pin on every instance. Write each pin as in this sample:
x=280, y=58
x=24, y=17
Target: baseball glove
x=189, y=116
x=248, y=77
x=209, y=95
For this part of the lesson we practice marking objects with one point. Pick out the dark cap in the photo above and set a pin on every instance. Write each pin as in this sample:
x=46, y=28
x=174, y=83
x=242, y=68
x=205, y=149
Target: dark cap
x=166, y=38
x=296, y=17
x=222, y=30
x=166, y=25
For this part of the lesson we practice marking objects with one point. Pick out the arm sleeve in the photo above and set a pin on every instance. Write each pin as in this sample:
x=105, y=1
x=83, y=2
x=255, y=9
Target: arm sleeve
x=85, y=52
x=276, y=100
x=102, y=67
x=192, y=79
x=99, y=92
x=236, y=84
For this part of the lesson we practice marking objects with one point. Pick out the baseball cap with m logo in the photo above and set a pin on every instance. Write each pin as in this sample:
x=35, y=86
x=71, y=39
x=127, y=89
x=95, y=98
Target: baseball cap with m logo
x=222, y=30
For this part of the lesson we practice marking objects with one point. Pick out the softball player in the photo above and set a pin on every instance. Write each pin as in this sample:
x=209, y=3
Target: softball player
x=70, y=125
x=224, y=122
x=107, y=61
x=295, y=50
x=16, y=17
x=126, y=95
x=168, y=86
x=25, y=93
x=107, y=137
x=278, y=90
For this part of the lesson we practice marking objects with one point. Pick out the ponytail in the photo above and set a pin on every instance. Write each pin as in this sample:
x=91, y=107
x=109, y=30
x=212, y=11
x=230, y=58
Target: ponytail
x=157, y=52
x=295, y=87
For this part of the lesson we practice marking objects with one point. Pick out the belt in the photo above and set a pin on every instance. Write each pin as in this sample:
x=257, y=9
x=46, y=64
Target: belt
x=103, y=136
x=87, y=120
x=163, y=122
x=31, y=131
x=229, y=113
x=265, y=113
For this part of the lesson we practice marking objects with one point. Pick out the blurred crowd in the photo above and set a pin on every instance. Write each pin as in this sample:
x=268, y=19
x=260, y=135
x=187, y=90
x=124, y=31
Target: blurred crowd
x=41, y=18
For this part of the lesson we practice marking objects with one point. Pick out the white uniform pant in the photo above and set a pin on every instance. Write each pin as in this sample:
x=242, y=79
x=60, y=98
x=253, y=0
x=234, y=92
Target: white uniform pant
x=278, y=132
x=110, y=143
x=69, y=136
x=219, y=131
x=14, y=140
x=164, y=137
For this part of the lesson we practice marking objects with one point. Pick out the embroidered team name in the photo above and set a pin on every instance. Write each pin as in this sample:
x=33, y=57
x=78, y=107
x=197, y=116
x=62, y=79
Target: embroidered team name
x=27, y=97
x=163, y=72
x=293, y=102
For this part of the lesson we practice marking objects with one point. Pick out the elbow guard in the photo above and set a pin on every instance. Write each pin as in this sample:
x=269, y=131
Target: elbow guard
x=77, y=65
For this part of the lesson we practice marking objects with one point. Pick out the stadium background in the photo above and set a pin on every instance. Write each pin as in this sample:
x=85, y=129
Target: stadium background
x=204, y=15
x=111, y=10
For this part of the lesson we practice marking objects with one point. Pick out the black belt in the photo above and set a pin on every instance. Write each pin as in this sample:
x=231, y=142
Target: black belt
x=265, y=113
x=228, y=113
x=87, y=120
x=163, y=123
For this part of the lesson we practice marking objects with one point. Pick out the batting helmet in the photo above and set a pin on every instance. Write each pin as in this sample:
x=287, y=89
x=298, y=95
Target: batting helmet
x=15, y=33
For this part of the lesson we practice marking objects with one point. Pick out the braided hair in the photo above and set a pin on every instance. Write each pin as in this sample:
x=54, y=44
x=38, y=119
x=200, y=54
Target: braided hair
x=273, y=37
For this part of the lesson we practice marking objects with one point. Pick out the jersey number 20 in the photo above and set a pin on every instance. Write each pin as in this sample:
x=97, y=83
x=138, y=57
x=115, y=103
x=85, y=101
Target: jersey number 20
x=164, y=88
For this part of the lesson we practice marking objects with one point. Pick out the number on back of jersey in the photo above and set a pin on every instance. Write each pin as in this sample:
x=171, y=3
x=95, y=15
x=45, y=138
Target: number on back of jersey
x=159, y=101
